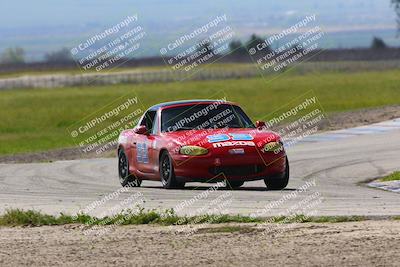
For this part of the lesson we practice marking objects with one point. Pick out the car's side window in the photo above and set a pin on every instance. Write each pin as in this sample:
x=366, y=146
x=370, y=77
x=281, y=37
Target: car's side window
x=155, y=125
x=148, y=120
x=142, y=121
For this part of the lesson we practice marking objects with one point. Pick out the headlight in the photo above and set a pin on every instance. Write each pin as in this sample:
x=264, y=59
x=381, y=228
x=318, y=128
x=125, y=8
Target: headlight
x=193, y=150
x=275, y=147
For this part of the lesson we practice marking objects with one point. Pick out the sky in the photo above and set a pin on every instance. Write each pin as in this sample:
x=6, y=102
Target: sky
x=48, y=25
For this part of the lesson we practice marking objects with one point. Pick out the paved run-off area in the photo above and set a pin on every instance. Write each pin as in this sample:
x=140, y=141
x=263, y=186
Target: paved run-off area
x=330, y=169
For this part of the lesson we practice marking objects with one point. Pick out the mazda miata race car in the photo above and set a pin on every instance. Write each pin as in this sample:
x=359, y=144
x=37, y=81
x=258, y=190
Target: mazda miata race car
x=201, y=141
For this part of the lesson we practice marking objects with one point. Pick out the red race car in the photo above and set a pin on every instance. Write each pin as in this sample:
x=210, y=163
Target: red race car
x=201, y=141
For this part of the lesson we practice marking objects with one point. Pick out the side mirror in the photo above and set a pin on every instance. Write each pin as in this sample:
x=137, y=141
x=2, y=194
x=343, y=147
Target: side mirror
x=141, y=129
x=260, y=124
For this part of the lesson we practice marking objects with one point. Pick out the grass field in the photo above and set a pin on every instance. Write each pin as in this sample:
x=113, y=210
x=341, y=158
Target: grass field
x=72, y=71
x=37, y=120
x=304, y=67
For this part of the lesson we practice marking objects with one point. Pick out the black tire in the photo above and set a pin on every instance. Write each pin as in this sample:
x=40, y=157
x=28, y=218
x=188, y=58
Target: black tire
x=233, y=184
x=278, y=182
x=125, y=177
x=167, y=173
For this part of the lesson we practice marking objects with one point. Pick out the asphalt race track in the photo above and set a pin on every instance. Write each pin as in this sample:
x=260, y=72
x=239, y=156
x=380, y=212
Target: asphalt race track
x=338, y=166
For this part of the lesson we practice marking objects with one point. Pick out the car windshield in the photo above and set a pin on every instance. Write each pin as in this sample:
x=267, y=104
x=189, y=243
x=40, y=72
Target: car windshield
x=204, y=116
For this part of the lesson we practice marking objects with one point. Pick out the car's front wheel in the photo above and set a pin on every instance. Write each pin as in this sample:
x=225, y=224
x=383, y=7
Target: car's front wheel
x=167, y=173
x=125, y=177
x=233, y=184
x=278, y=182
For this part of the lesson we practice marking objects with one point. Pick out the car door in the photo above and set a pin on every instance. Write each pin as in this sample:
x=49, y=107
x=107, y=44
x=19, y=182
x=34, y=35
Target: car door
x=145, y=144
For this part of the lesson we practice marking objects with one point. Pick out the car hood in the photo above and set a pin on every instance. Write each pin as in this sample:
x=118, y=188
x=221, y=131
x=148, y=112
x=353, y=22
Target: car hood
x=215, y=137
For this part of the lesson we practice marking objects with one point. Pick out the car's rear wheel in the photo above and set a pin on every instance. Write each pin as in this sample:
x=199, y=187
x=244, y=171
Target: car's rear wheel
x=278, y=182
x=125, y=177
x=167, y=173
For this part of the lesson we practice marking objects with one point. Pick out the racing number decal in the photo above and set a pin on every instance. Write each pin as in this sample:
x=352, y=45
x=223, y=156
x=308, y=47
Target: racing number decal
x=142, y=154
x=232, y=136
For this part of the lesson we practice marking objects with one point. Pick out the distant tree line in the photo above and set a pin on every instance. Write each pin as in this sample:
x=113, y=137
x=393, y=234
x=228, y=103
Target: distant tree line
x=62, y=55
x=236, y=46
x=13, y=55
x=378, y=43
x=16, y=55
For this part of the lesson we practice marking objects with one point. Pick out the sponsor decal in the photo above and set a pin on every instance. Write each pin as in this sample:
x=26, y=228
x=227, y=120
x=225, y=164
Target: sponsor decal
x=234, y=143
x=231, y=136
x=218, y=138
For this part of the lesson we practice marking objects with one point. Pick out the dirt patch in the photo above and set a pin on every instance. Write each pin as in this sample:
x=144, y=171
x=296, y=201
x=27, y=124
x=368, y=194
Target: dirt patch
x=343, y=120
x=54, y=155
x=335, y=121
x=368, y=243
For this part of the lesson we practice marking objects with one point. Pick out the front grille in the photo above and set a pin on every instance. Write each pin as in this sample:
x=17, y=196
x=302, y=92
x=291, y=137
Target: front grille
x=237, y=170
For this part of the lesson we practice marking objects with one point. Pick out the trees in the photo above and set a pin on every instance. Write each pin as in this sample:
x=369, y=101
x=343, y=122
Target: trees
x=206, y=47
x=13, y=56
x=239, y=48
x=62, y=55
x=236, y=46
x=254, y=41
x=378, y=43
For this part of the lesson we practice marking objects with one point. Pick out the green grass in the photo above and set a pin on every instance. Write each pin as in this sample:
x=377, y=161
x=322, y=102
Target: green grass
x=37, y=119
x=304, y=67
x=392, y=177
x=14, y=217
x=17, y=217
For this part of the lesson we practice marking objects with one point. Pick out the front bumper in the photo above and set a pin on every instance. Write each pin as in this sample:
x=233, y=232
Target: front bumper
x=212, y=168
